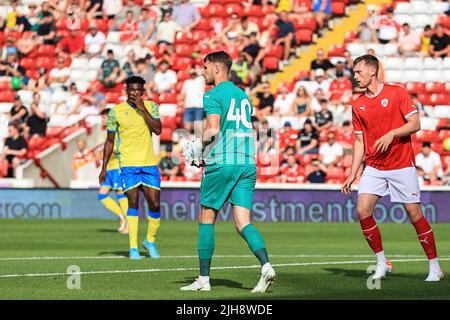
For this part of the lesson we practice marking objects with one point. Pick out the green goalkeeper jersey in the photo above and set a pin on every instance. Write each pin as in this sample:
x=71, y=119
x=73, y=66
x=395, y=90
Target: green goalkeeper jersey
x=235, y=146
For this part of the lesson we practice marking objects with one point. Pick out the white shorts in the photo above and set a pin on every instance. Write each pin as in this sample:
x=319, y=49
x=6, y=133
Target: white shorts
x=401, y=184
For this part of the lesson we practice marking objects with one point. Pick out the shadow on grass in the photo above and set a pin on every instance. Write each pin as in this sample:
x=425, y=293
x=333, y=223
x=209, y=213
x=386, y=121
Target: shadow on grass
x=116, y=253
x=107, y=231
x=363, y=274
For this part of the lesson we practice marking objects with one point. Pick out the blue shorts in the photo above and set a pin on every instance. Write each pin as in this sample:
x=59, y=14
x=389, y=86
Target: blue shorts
x=193, y=114
x=133, y=177
x=113, y=180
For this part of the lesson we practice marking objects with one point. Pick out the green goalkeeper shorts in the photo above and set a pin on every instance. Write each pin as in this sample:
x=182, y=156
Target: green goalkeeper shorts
x=234, y=184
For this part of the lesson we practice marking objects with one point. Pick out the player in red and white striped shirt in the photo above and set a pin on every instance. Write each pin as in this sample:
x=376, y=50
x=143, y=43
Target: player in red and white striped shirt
x=384, y=117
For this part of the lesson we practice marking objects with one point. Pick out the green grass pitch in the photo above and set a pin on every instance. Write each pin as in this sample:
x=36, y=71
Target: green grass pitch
x=312, y=261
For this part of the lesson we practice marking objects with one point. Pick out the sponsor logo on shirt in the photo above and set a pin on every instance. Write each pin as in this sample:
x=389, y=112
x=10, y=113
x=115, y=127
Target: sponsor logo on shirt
x=363, y=108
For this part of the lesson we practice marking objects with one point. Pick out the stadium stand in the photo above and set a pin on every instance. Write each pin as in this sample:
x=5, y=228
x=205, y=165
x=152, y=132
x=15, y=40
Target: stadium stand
x=263, y=37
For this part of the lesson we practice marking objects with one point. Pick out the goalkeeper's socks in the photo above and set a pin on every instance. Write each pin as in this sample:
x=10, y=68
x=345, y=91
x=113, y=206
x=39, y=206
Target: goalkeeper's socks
x=426, y=237
x=206, y=245
x=372, y=234
x=154, y=221
x=123, y=202
x=255, y=242
x=133, y=222
x=110, y=204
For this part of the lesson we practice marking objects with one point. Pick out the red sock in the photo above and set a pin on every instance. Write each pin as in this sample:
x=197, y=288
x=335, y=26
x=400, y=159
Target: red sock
x=372, y=233
x=426, y=237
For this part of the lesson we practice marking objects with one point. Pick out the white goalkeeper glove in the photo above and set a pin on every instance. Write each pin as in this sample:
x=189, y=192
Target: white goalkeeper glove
x=193, y=152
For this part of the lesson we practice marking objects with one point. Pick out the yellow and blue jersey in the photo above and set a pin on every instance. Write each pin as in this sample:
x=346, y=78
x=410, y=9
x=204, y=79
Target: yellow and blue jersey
x=134, y=142
x=113, y=162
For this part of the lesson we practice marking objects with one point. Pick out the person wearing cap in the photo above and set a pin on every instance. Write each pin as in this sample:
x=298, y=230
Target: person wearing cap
x=47, y=29
x=388, y=28
x=431, y=164
x=192, y=99
x=94, y=41
x=18, y=112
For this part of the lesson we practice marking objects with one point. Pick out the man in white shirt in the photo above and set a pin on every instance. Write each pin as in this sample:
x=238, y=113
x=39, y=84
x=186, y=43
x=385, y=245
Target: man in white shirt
x=409, y=42
x=283, y=102
x=430, y=163
x=192, y=97
x=331, y=152
x=167, y=30
x=94, y=41
x=165, y=79
x=58, y=76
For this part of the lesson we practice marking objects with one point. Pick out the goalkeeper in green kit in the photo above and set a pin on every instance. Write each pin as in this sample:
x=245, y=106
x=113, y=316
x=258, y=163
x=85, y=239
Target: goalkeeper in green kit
x=227, y=150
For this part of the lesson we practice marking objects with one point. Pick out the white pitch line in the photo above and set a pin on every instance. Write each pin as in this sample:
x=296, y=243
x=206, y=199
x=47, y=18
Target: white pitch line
x=213, y=268
x=216, y=256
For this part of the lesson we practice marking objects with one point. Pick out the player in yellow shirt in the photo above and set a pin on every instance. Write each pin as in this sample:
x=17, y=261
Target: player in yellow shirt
x=134, y=121
x=114, y=182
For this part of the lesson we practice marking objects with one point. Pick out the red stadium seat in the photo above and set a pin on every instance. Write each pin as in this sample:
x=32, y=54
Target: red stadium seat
x=335, y=173
x=444, y=20
x=351, y=36
x=444, y=134
x=307, y=158
x=304, y=36
x=203, y=24
x=3, y=167
x=254, y=11
x=183, y=75
x=338, y=9
x=301, y=75
x=166, y=134
x=305, y=23
x=435, y=87
x=337, y=50
x=234, y=8
x=270, y=63
x=181, y=64
x=425, y=98
x=439, y=98
x=216, y=10
x=54, y=132
x=5, y=85
x=415, y=87
x=347, y=161
x=7, y=96
x=275, y=51
x=199, y=35
x=45, y=62
x=183, y=50
x=168, y=98
x=426, y=136
x=182, y=38
x=168, y=122
x=47, y=50
x=112, y=97
x=28, y=63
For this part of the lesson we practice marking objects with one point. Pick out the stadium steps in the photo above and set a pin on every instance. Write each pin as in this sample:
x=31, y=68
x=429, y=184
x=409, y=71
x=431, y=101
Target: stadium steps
x=337, y=35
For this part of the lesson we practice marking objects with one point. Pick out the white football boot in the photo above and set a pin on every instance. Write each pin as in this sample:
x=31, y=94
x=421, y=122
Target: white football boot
x=197, y=285
x=382, y=269
x=435, y=275
x=266, y=280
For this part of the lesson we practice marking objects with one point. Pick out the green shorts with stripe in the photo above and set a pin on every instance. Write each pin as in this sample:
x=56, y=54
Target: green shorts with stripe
x=233, y=184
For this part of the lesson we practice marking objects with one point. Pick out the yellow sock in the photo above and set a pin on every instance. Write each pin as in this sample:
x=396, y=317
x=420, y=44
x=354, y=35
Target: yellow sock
x=153, y=226
x=123, y=202
x=111, y=205
x=133, y=222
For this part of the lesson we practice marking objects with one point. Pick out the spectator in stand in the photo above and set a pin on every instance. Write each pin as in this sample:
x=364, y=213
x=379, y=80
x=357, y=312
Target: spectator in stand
x=425, y=41
x=36, y=123
x=71, y=103
x=308, y=140
x=251, y=50
x=167, y=30
x=240, y=73
x=246, y=28
x=341, y=87
x=440, y=43
x=301, y=106
x=283, y=102
x=364, y=33
x=331, y=152
x=446, y=177
x=129, y=67
x=372, y=20
x=289, y=151
x=419, y=105
x=94, y=41
x=32, y=16
x=167, y=165
x=146, y=28
x=186, y=15
x=321, y=62
x=47, y=30
x=318, y=95
x=71, y=46
x=111, y=8
x=165, y=6
x=431, y=164
x=12, y=68
x=388, y=28
x=109, y=73
x=81, y=157
x=408, y=42
x=324, y=118
x=129, y=28
x=322, y=10
x=265, y=100
x=94, y=9
x=302, y=8
x=192, y=98
x=230, y=34
x=318, y=172
x=288, y=135
x=147, y=72
x=58, y=76
x=286, y=36
x=14, y=150
x=18, y=113
x=343, y=113
x=291, y=172
x=320, y=82
x=165, y=79
x=121, y=16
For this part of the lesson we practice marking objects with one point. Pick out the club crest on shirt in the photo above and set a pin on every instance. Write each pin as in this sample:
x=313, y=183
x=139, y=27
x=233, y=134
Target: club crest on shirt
x=363, y=108
x=384, y=102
